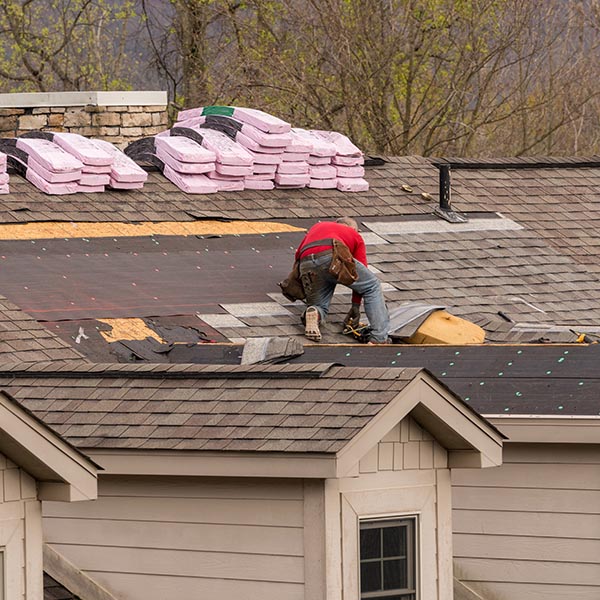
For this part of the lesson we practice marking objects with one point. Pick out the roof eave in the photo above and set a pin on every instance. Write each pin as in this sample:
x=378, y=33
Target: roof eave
x=549, y=429
x=198, y=463
x=63, y=473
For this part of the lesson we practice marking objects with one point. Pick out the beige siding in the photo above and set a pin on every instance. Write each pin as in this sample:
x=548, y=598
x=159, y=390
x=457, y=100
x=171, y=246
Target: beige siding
x=151, y=538
x=20, y=533
x=531, y=528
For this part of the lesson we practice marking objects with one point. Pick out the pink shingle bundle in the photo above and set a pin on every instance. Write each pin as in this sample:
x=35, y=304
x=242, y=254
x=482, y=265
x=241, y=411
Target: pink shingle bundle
x=50, y=168
x=4, y=189
x=95, y=174
x=125, y=174
x=257, y=118
x=66, y=163
x=348, y=161
x=181, y=160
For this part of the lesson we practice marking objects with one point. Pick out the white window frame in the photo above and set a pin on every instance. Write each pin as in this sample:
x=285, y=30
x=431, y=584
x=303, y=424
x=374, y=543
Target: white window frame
x=387, y=504
x=412, y=557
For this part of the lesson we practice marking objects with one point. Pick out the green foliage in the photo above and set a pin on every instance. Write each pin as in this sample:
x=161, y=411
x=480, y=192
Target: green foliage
x=431, y=77
x=64, y=44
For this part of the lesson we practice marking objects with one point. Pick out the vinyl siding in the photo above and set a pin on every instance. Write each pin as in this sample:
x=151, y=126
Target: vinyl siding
x=151, y=538
x=530, y=528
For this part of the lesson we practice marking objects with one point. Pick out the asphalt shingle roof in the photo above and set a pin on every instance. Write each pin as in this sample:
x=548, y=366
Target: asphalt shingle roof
x=297, y=408
x=24, y=340
x=542, y=275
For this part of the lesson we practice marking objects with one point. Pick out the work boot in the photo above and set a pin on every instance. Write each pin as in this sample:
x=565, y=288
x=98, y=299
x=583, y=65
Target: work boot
x=311, y=324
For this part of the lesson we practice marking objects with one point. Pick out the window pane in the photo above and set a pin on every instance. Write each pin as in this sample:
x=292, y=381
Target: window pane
x=370, y=577
x=394, y=575
x=394, y=541
x=370, y=543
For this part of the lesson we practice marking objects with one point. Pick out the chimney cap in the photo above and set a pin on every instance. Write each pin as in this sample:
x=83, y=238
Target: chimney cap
x=63, y=99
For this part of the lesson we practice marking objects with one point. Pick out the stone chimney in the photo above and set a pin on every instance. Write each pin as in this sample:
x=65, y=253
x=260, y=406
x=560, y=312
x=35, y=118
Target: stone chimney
x=117, y=117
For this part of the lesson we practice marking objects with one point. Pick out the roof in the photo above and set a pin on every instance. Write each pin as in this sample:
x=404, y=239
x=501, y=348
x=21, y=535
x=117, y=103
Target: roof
x=524, y=267
x=303, y=408
x=55, y=591
x=61, y=471
x=23, y=339
x=498, y=379
x=528, y=252
x=282, y=410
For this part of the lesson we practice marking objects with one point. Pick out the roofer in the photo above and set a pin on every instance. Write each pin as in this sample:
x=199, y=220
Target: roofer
x=315, y=255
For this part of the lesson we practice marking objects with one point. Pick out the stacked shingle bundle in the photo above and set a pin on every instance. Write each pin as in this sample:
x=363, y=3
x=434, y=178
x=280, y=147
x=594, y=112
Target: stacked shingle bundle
x=282, y=157
x=181, y=160
x=348, y=162
x=46, y=165
x=66, y=163
x=96, y=162
x=334, y=161
x=264, y=138
x=125, y=174
x=3, y=175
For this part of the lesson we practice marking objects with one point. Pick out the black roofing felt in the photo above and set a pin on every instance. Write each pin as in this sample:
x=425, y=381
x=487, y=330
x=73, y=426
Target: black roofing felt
x=500, y=379
x=54, y=280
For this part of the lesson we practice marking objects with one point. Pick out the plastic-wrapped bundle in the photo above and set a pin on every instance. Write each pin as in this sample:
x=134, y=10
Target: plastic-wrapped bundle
x=125, y=174
x=299, y=167
x=23, y=159
x=295, y=180
x=4, y=178
x=184, y=155
x=348, y=162
x=95, y=161
x=145, y=150
x=227, y=151
x=261, y=120
x=319, y=147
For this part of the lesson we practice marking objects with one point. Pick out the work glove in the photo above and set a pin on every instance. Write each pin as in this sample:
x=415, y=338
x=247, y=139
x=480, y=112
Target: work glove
x=353, y=317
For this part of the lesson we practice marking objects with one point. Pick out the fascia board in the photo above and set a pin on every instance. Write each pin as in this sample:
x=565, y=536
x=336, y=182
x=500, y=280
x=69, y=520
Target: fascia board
x=548, y=429
x=214, y=464
x=42, y=453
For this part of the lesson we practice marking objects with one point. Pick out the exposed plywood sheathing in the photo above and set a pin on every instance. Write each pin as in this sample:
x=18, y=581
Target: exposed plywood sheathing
x=39, y=231
x=128, y=329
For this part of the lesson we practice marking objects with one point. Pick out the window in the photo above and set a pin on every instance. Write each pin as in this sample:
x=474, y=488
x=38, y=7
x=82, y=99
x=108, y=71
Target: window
x=387, y=559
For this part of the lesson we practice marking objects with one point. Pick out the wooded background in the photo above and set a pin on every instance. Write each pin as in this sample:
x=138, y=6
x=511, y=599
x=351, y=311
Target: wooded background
x=430, y=77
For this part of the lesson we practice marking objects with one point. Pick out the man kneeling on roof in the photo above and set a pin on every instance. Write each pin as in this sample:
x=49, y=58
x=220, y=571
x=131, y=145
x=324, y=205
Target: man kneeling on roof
x=315, y=255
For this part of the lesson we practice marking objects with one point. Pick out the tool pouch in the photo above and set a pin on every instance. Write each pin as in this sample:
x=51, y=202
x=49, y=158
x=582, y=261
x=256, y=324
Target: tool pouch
x=342, y=264
x=291, y=286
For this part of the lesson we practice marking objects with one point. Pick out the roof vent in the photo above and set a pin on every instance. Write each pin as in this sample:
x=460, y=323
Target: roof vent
x=444, y=210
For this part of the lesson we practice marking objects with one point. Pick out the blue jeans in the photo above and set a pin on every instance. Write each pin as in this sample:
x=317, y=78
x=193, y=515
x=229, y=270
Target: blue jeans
x=319, y=286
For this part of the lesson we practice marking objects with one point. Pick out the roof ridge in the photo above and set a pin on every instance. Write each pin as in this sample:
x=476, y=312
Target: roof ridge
x=68, y=369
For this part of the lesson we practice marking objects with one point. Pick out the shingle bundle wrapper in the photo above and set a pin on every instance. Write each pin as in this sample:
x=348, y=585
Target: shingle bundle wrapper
x=80, y=148
x=66, y=163
x=125, y=174
x=95, y=173
x=47, y=166
x=4, y=188
x=251, y=116
x=182, y=161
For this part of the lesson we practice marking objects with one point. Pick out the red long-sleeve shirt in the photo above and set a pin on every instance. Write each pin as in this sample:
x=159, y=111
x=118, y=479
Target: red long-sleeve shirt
x=344, y=233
